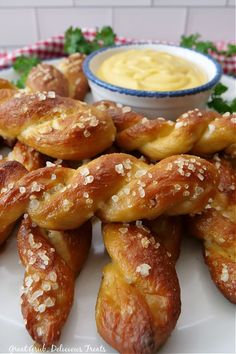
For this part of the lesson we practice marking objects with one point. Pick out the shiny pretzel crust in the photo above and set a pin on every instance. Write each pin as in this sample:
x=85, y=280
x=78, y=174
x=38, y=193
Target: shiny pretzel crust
x=46, y=77
x=217, y=228
x=10, y=172
x=56, y=126
x=52, y=260
x=116, y=187
x=66, y=79
x=5, y=84
x=137, y=308
x=169, y=230
x=27, y=156
x=195, y=131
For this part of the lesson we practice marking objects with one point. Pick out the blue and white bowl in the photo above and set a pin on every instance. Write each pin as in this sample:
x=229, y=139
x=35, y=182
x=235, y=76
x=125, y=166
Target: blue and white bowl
x=169, y=104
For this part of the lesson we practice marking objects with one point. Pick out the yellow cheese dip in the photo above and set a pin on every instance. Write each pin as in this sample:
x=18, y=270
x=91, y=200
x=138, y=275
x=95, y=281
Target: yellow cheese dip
x=150, y=70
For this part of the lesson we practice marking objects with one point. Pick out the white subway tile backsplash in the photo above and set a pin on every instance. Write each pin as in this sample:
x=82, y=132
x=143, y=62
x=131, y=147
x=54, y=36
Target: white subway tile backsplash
x=35, y=3
x=189, y=2
x=25, y=21
x=212, y=23
x=17, y=27
x=56, y=21
x=150, y=23
x=113, y=2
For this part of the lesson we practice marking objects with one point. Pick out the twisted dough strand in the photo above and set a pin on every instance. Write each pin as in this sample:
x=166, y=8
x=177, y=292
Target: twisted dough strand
x=116, y=187
x=217, y=228
x=27, y=156
x=52, y=260
x=10, y=173
x=197, y=132
x=139, y=299
x=59, y=127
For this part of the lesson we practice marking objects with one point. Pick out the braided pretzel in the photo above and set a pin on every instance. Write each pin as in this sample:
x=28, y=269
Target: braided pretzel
x=217, y=228
x=197, y=132
x=139, y=299
x=60, y=198
x=52, y=260
x=55, y=126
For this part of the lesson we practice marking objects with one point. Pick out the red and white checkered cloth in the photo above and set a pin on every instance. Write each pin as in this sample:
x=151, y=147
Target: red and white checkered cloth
x=53, y=48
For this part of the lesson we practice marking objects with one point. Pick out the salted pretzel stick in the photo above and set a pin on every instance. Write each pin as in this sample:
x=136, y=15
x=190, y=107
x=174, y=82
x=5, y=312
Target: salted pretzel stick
x=139, y=299
x=52, y=260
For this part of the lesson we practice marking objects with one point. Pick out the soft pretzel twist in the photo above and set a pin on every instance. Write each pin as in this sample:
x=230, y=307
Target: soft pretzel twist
x=139, y=299
x=217, y=228
x=197, y=132
x=56, y=126
x=52, y=260
x=116, y=187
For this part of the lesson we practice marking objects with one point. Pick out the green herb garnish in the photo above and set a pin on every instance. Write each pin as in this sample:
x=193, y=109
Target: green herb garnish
x=219, y=103
x=207, y=47
x=22, y=65
x=76, y=42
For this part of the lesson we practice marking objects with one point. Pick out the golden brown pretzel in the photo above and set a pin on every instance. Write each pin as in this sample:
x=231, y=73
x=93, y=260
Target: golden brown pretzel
x=217, y=228
x=52, y=260
x=71, y=67
x=139, y=299
x=55, y=126
x=67, y=79
x=46, y=77
x=197, y=132
x=62, y=198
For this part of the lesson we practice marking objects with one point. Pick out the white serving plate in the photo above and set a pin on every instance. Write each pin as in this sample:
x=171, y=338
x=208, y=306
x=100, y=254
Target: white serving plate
x=206, y=323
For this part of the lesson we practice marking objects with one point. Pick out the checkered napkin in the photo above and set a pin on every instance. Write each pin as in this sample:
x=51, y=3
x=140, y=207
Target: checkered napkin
x=53, y=48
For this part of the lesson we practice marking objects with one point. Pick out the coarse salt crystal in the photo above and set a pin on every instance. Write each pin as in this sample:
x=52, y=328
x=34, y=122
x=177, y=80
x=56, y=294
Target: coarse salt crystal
x=22, y=190
x=51, y=94
x=143, y=269
x=225, y=274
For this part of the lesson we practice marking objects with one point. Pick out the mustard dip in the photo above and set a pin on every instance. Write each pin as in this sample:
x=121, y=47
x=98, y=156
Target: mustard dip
x=150, y=70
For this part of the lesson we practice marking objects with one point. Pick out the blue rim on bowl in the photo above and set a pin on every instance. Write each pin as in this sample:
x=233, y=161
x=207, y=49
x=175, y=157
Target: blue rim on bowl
x=141, y=93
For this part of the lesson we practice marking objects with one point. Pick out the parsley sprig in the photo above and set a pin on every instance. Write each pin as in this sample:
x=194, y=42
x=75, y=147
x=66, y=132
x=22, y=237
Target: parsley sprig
x=206, y=47
x=76, y=42
x=22, y=66
x=218, y=103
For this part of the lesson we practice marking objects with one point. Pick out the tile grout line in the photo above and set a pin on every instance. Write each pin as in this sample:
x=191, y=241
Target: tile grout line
x=37, y=23
x=186, y=20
